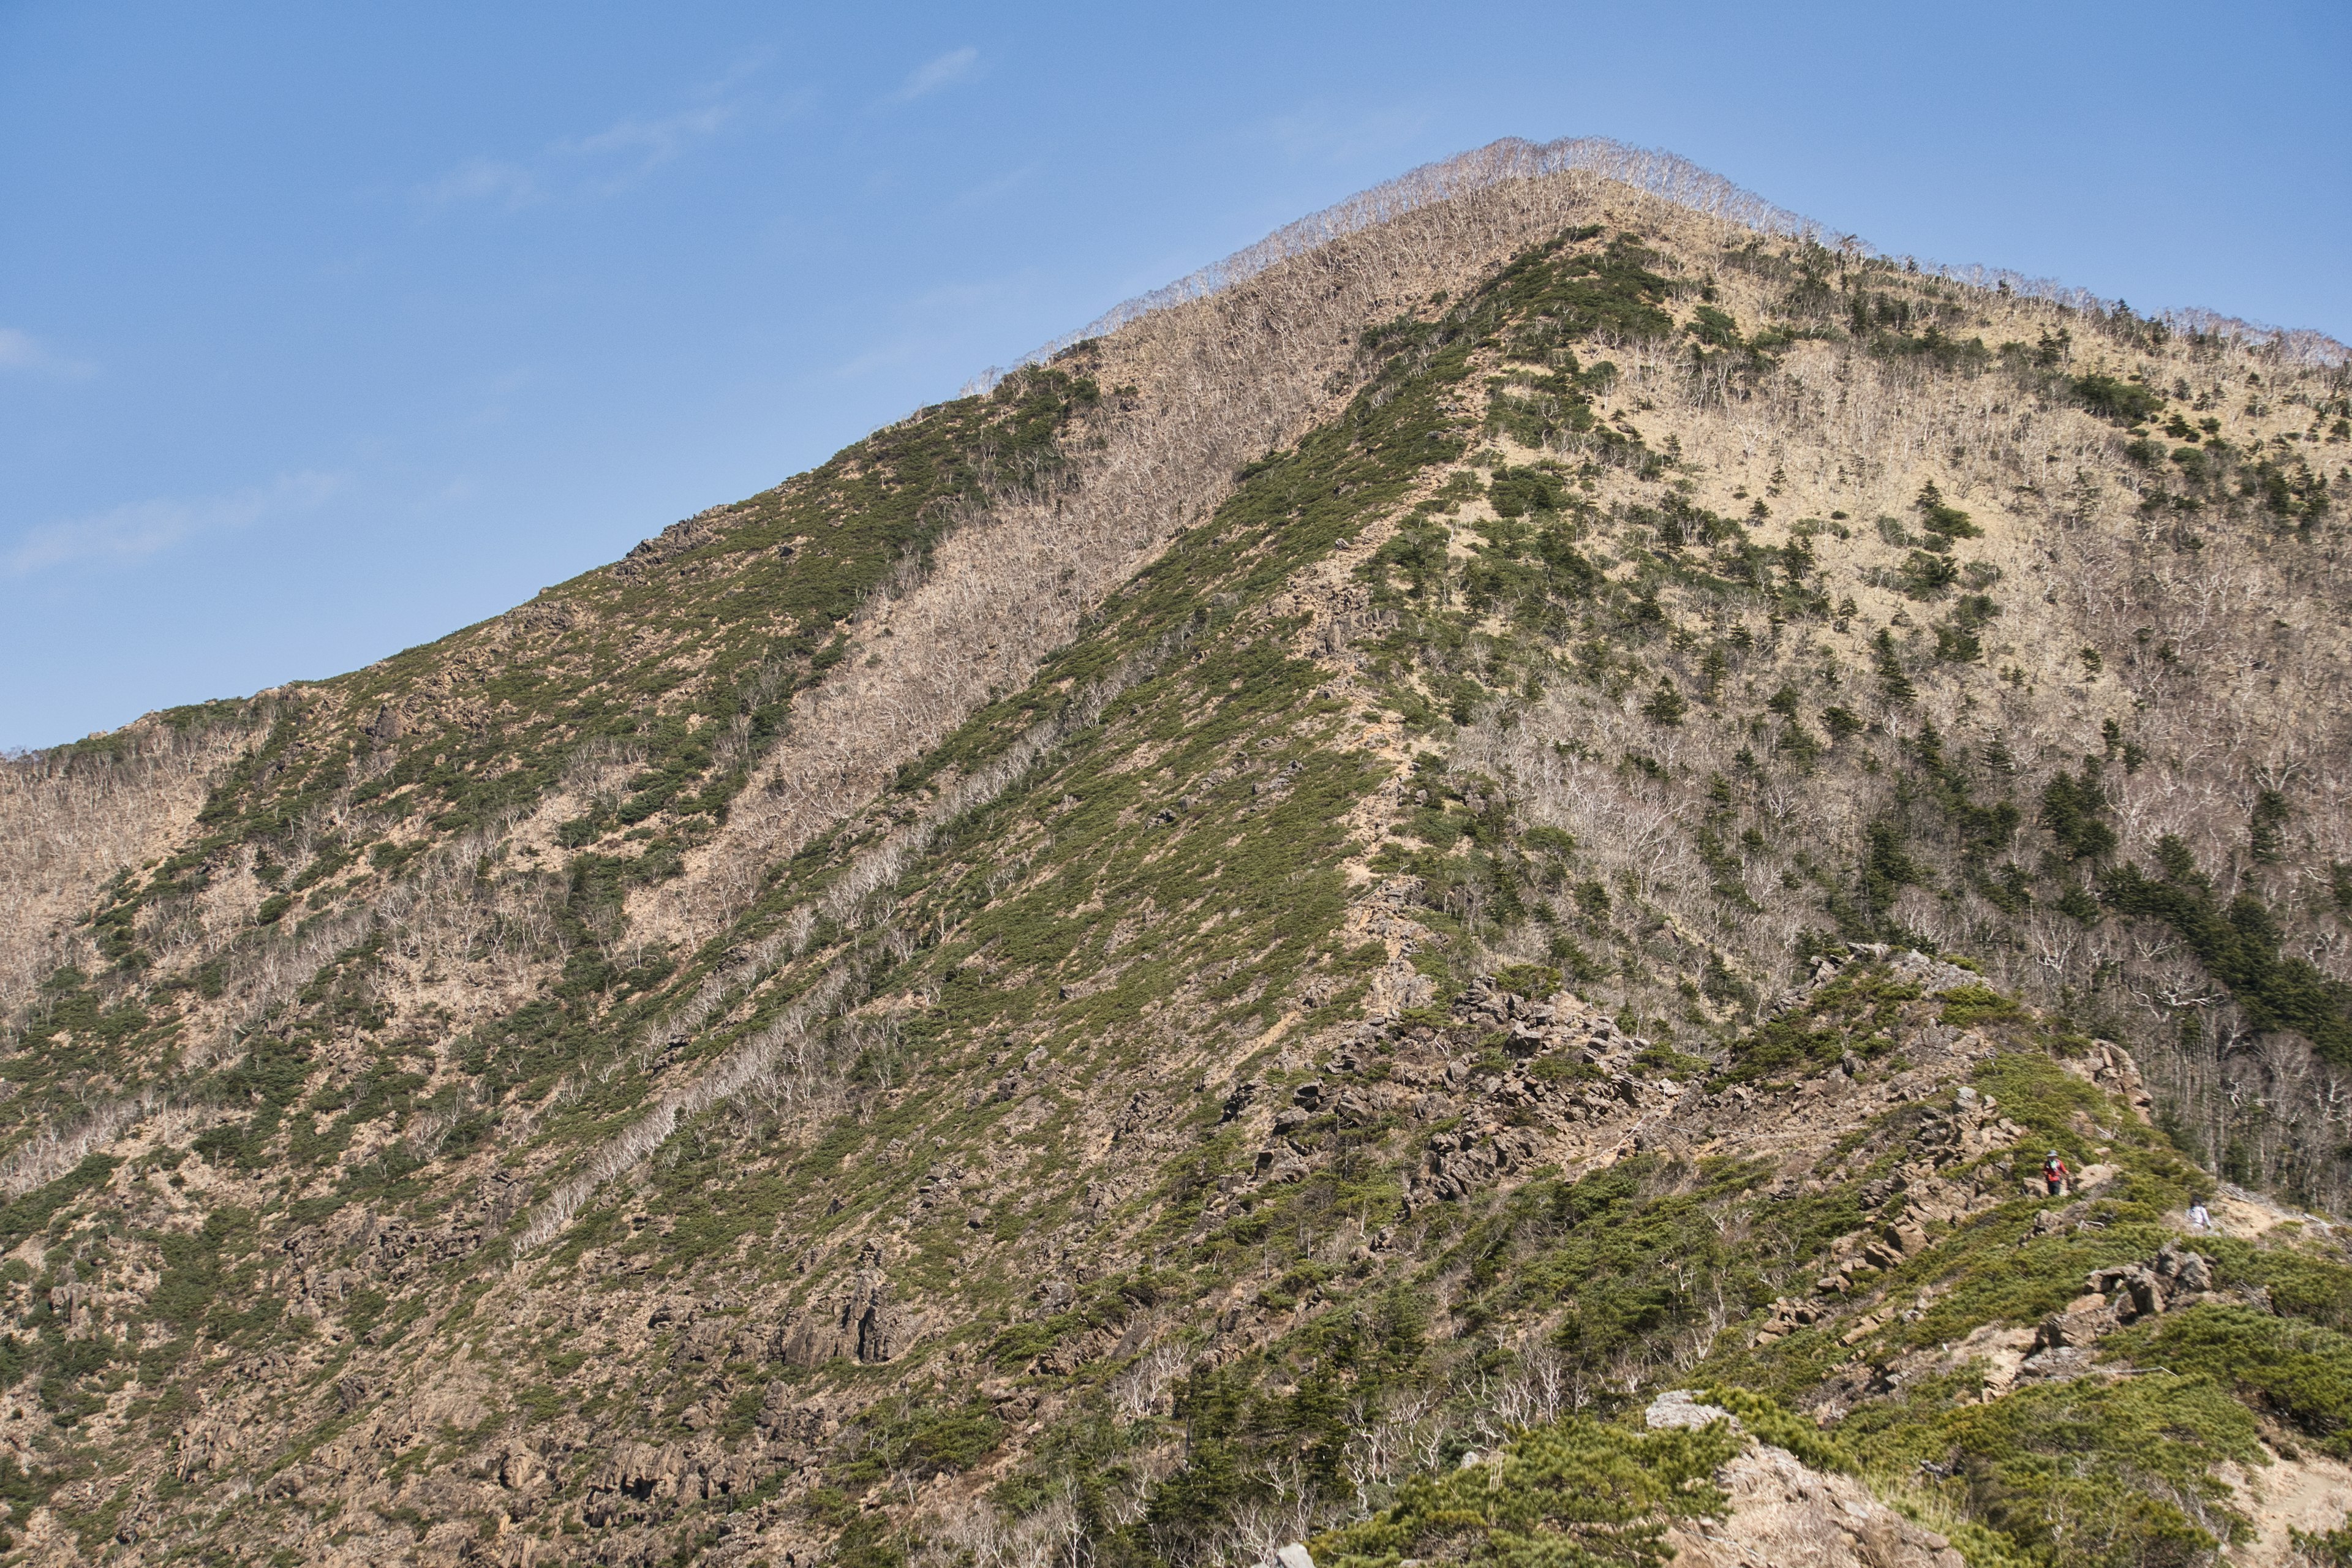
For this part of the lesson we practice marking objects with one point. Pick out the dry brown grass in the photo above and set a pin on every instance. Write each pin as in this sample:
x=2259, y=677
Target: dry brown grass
x=1219, y=380
x=71, y=820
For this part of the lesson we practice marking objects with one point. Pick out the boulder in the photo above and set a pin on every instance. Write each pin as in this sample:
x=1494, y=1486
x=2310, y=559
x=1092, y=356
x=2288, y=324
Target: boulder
x=2187, y=1271
x=1681, y=1408
x=2086, y=1320
x=1784, y=1512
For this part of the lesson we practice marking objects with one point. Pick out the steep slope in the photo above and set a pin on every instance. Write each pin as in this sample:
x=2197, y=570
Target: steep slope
x=1145, y=959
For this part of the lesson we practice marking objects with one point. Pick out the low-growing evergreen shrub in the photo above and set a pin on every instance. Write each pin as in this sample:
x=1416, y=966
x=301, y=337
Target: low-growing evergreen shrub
x=1580, y=1492
x=2301, y=1370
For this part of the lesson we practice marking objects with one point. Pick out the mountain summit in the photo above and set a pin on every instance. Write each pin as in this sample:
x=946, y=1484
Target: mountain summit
x=1436, y=897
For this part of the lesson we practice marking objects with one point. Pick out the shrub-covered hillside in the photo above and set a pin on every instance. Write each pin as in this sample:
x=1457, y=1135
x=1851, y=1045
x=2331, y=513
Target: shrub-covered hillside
x=1265, y=933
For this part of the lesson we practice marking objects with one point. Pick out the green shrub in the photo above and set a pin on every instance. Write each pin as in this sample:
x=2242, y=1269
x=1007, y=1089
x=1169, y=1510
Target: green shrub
x=2090, y=1472
x=1966, y=1006
x=2301, y=1370
x=2071, y=808
x=1893, y=683
x=922, y=1442
x=31, y=1211
x=2332, y=1550
x=1940, y=518
x=1854, y=1013
x=2300, y=1285
x=2121, y=402
x=1665, y=706
x=1927, y=576
x=1783, y=1429
x=1709, y=325
x=1578, y=1494
x=1556, y=842
x=1518, y=492
x=1532, y=979
x=2241, y=942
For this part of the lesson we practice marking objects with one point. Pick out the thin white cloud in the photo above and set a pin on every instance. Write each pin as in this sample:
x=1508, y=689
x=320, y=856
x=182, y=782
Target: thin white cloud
x=633, y=148
x=23, y=351
x=125, y=534
x=602, y=162
x=988, y=193
x=487, y=180
x=954, y=66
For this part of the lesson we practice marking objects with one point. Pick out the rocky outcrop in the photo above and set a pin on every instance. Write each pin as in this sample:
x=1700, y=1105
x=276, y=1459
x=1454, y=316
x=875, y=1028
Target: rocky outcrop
x=1783, y=1512
x=2109, y=1066
x=2112, y=1297
x=862, y=1324
x=1933, y=977
x=646, y=1480
x=671, y=541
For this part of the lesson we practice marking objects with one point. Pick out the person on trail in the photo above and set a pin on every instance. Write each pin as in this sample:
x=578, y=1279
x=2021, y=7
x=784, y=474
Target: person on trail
x=2055, y=1174
x=2199, y=1220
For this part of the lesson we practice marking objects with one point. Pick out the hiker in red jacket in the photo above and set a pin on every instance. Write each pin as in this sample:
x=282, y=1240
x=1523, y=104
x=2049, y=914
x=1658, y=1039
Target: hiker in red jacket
x=2054, y=1172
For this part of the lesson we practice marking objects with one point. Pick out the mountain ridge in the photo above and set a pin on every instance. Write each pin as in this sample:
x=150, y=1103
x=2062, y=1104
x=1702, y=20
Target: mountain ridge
x=1119, y=964
x=1658, y=172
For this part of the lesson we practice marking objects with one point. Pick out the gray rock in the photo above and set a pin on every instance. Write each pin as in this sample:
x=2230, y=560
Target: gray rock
x=1681, y=1408
x=2186, y=1270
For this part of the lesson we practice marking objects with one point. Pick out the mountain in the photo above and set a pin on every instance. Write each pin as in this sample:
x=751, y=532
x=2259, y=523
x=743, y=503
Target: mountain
x=1437, y=894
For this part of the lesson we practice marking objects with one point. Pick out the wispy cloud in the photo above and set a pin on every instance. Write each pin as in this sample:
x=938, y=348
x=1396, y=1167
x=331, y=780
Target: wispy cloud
x=603, y=163
x=635, y=147
x=128, y=533
x=954, y=66
x=487, y=180
x=988, y=192
x=21, y=351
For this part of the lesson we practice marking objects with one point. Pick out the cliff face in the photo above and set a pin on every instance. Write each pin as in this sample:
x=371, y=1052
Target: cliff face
x=1550, y=797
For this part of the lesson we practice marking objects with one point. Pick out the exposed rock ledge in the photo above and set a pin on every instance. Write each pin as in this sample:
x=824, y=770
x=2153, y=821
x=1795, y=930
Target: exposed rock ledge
x=1785, y=1514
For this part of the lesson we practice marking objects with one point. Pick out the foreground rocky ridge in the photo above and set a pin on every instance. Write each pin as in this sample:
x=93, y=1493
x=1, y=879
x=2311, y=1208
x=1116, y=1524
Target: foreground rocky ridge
x=1304, y=1000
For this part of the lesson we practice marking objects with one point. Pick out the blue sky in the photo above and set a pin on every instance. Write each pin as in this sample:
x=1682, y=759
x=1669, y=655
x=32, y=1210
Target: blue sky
x=327, y=330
